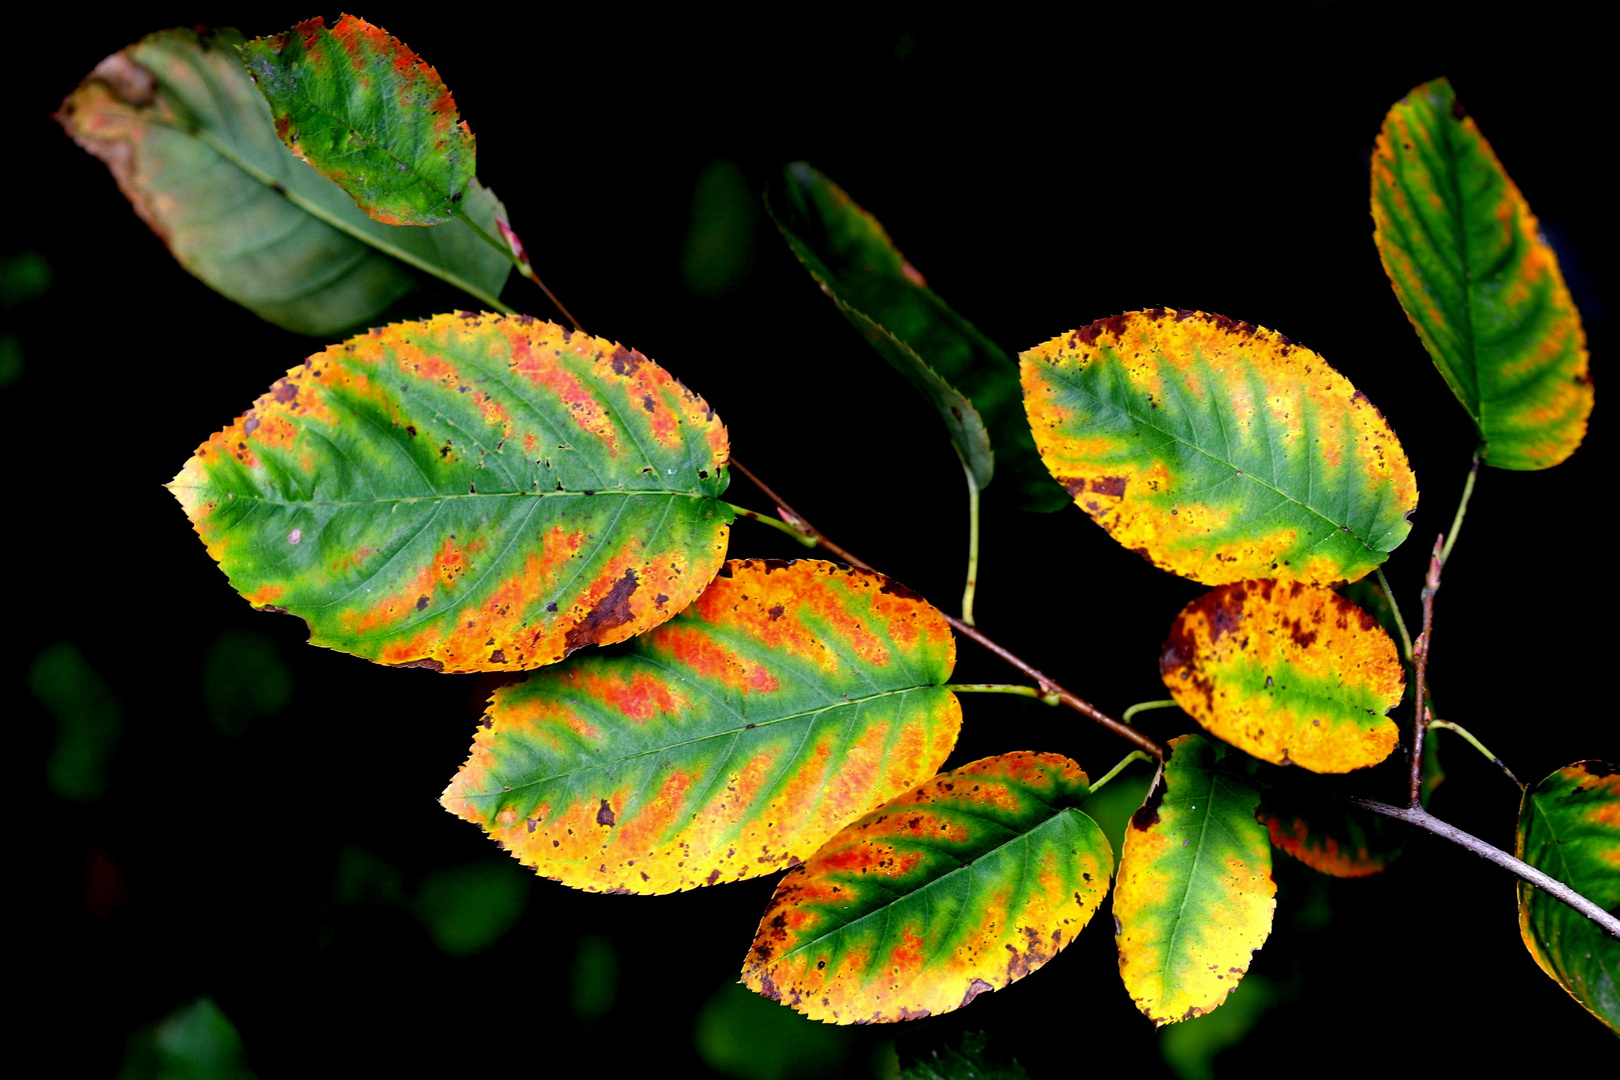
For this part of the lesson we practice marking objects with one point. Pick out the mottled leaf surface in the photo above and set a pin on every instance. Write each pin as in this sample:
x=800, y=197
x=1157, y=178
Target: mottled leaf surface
x=732, y=741
x=470, y=493
x=1290, y=673
x=1479, y=282
x=176, y=119
x=1195, y=895
x=1331, y=838
x=964, y=884
x=1569, y=827
x=1218, y=450
x=943, y=355
x=356, y=103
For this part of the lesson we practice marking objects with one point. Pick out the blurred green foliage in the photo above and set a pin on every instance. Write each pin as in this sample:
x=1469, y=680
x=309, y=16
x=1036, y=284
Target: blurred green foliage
x=741, y=1034
x=970, y=1059
x=89, y=719
x=595, y=981
x=1190, y=1047
x=195, y=1042
x=720, y=239
x=244, y=678
x=467, y=908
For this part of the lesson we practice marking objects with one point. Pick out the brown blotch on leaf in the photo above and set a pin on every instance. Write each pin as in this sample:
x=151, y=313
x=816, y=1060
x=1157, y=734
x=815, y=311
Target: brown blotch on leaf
x=429, y=663
x=605, y=815
x=613, y=611
x=975, y=988
x=1113, y=486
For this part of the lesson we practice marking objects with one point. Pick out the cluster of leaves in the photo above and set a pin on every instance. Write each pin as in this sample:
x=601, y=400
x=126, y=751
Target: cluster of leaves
x=484, y=492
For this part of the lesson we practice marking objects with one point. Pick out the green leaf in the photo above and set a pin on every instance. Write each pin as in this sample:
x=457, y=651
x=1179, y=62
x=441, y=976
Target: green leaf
x=1195, y=895
x=361, y=107
x=969, y=1059
x=1569, y=828
x=470, y=493
x=1290, y=673
x=1331, y=838
x=1218, y=450
x=964, y=884
x=192, y=146
x=949, y=362
x=1479, y=282
x=194, y=1042
x=730, y=742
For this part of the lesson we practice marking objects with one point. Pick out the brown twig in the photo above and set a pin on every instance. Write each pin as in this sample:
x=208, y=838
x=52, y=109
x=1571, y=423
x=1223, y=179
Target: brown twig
x=1416, y=815
x=1047, y=685
x=1420, y=665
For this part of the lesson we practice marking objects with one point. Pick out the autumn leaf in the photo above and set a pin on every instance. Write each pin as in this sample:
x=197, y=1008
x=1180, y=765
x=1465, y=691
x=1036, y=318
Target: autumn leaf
x=176, y=119
x=1335, y=839
x=728, y=743
x=1290, y=673
x=1479, y=282
x=357, y=104
x=1195, y=894
x=470, y=493
x=1569, y=828
x=1218, y=450
x=964, y=884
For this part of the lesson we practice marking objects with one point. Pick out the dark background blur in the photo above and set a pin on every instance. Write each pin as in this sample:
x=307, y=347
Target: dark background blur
x=204, y=806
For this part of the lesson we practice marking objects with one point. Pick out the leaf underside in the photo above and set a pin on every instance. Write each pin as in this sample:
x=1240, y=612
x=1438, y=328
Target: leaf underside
x=361, y=107
x=177, y=120
x=731, y=741
x=470, y=493
x=1195, y=894
x=1569, y=827
x=1479, y=282
x=1341, y=841
x=971, y=383
x=1290, y=673
x=1218, y=450
x=964, y=884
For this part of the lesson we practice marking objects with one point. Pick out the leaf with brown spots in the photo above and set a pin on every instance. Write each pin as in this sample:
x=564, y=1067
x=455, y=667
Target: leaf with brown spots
x=1218, y=450
x=969, y=381
x=1569, y=827
x=1479, y=282
x=176, y=119
x=964, y=884
x=1291, y=673
x=470, y=493
x=356, y=103
x=1331, y=838
x=1195, y=894
x=727, y=743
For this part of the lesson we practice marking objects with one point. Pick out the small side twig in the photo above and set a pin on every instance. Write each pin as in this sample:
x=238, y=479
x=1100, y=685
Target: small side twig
x=1420, y=665
x=1468, y=736
x=1551, y=886
x=1047, y=685
x=1462, y=504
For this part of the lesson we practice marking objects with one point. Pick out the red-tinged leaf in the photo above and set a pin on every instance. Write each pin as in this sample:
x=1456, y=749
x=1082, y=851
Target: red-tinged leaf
x=1290, y=673
x=1569, y=827
x=1218, y=450
x=1479, y=282
x=1195, y=894
x=176, y=119
x=728, y=743
x=357, y=104
x=470, y=493
x=1338, y=840
x=964, y=884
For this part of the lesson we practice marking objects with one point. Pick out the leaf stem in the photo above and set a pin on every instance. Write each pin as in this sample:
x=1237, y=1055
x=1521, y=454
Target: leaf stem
x=519, y=259
x=1048, y=686
x=1002, y=688
x=371, y=240
x=973, y=544
x=1415, y=815
x=1394, y=606
x=1144, y=706
x=1420, y=664
x=1477, y=745
x=1124, y=762
x=1462, y=504
x=780, y=526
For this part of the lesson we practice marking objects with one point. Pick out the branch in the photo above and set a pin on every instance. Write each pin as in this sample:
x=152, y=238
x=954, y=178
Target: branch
x=1420, y=664
x=1046, y=685
x=1551, y=886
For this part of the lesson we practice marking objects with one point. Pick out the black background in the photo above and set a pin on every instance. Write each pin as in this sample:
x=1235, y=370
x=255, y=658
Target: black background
x=1041, y=174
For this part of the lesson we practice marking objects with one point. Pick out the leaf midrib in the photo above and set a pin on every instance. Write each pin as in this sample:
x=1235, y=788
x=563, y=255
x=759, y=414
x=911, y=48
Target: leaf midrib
x=394, y=500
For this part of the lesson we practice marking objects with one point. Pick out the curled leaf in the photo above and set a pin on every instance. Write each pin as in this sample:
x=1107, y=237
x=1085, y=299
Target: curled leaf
x=1479, y=282
x=356, y=103
x=1293, y=674
x=1218, y=450
x=725, y=744
x=964, y=884
x=1569, y=827
x=1338, y=840
x=1195, y=894
x=469, y=493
